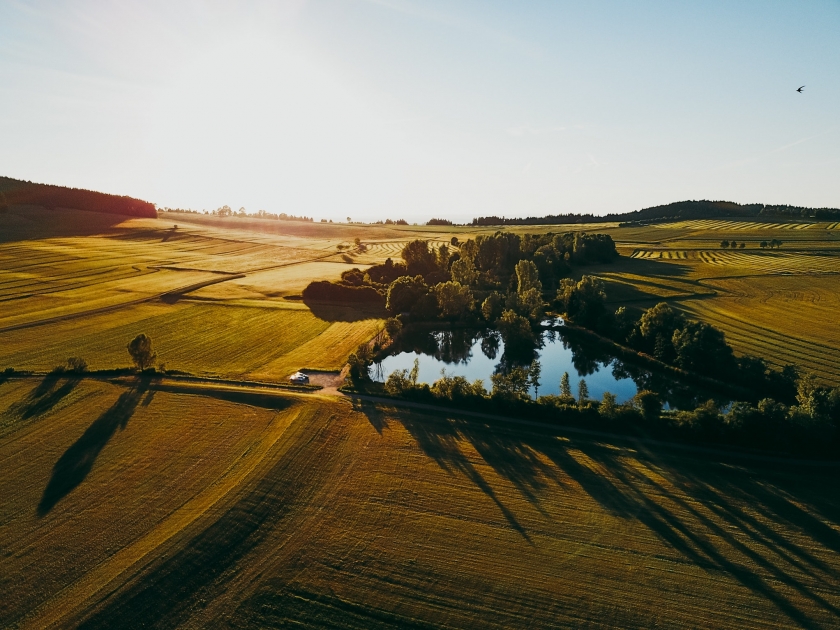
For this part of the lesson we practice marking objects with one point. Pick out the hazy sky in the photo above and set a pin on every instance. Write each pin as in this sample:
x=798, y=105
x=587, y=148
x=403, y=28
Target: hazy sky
x=403, y=109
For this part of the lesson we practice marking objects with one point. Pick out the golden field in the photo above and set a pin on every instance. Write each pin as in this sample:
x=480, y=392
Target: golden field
x=165, y=503
x=225, y=508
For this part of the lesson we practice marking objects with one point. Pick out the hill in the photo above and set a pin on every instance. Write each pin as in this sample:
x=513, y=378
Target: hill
x=18, y=192
x=680, y=210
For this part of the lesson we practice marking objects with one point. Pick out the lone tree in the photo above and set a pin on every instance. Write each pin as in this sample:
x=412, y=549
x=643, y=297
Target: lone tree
x=724, y=243
x=140, y=349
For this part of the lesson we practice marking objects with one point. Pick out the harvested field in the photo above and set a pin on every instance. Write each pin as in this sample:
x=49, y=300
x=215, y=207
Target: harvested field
x=196, y=337
x=367, y=516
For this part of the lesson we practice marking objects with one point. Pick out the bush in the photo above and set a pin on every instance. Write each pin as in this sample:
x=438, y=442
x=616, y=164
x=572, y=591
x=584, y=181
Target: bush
x=325, y=291
x=77, y=365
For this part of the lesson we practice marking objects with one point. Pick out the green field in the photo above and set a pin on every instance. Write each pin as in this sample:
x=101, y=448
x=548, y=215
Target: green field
x=142, y=506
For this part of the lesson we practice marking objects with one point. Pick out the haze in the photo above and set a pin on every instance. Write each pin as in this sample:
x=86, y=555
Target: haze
x=424, y=109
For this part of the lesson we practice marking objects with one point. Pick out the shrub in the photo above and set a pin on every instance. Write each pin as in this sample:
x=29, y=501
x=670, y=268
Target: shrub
x=325, y=291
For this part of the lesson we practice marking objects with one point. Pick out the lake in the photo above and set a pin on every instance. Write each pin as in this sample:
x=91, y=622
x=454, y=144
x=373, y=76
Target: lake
x=476, y=354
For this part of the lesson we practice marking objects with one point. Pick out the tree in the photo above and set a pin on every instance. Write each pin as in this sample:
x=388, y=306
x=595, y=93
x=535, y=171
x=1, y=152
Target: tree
x=4, y=205
x=608, y=407
x=404, y=292
x=742, y=245
x=725, y=244
x=656, y=329
x=511, y=386
x=534, y=373
x=583, y=393
x=702, y=348
x=492, y=306
x=648, y=403
x=455, y=301
x=141, y=352
x=77, y=365
x=762, y=244
x=360, y=362
x=393, y=326
x=454, y=241
x=583, y=302
x=566, y=387
x=419, y=258
x=527, y=277
x=463, y=270
x=415, y=371
x=515, y=330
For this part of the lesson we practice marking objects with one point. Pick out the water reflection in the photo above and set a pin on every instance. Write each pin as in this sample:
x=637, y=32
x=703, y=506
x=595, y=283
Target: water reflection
x=476, y=354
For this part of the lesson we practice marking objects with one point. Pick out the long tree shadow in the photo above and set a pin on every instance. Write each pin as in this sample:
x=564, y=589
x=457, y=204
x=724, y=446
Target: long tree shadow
x=718, y=517
x=166, y=595
x=440, y=441
x=47, y=394
x=73, y=467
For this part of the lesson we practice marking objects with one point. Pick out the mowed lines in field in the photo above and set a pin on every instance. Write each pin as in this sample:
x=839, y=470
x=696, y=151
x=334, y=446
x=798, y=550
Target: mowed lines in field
x=89, y=477
x=758, y=261
x=743, y=226
x=783, y=328
x=381, y=250
x=190, y=336
x=375, y=517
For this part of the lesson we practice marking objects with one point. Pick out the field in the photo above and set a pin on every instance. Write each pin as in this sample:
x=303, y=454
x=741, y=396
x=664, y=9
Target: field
x=165, y=503
x=148, y=506
x=779, y=304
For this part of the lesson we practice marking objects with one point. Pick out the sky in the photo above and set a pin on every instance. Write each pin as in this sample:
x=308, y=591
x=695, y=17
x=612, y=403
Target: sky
x=375, y=109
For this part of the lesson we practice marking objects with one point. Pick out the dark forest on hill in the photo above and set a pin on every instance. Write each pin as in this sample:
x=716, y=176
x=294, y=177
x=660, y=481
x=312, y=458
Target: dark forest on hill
x=18, y=192
x=680, y=210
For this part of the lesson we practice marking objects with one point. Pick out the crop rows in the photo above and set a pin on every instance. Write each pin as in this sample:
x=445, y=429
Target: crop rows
x=737, y=226
x=372, y=517
x=769, y=262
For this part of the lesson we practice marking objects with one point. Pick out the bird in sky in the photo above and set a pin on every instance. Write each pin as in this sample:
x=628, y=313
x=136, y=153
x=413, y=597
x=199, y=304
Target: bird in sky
x=800, y=89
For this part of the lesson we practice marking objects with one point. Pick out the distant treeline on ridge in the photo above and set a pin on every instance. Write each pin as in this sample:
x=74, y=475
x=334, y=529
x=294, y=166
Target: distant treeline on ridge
x=680, y=210
x=18, y=192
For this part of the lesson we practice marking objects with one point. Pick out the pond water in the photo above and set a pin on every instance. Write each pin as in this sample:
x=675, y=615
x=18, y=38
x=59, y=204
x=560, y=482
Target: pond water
x=476, y=354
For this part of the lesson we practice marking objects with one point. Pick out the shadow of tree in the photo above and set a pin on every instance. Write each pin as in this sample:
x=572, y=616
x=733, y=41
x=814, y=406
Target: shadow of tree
x=46, y=395
x=72, y=467
x=440, y=441
x=739, y=520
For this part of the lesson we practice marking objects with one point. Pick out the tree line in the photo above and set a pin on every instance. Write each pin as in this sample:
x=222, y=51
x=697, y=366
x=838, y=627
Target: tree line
x=17, y=192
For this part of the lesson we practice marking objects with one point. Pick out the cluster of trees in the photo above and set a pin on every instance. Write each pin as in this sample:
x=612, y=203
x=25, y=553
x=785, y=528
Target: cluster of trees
x=498, y=279
x=391, y=222
x=725, y=244
x=811, y=423
x=796, y=212
x=17, y=192
x=439, y=222
x=773, y=243
x=227, y=211
x=680, y=210
x=671, y=338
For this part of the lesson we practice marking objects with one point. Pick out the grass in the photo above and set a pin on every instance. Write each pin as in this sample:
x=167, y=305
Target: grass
x=777, y=304
x=161, y=505
x=89, y=294
x=327, y=514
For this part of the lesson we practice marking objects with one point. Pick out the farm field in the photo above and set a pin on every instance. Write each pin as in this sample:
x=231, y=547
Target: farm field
x=213, y=300
x=195, y=505
x=779, y=304
x=321, y=512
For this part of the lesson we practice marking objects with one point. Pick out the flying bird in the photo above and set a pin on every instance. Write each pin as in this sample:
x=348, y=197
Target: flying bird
x=800, y=89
